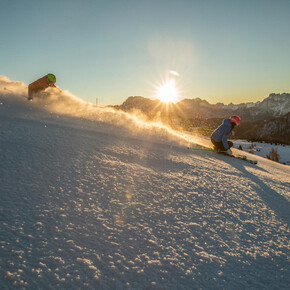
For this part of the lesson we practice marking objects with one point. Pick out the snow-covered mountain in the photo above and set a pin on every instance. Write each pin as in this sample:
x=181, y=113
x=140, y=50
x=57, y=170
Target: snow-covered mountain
x=277, y=104
x=95, y=198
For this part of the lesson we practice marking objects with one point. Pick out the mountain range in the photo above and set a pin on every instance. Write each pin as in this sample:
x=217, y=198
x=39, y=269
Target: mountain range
x=275, y=105
x=265, y=120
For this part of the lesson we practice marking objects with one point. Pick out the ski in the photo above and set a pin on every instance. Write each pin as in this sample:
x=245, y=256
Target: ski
x=206, y=149
x=243, y=157
x=238, y=156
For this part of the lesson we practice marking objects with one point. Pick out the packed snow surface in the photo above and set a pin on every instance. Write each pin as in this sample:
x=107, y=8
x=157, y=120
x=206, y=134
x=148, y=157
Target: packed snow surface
x=97, y=199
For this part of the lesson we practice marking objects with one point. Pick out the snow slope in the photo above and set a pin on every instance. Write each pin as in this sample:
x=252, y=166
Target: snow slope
x=96, y=199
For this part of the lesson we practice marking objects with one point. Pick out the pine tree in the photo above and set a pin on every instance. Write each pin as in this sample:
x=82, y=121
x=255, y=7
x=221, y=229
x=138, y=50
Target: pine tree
x=273, y=155
x=251, y=148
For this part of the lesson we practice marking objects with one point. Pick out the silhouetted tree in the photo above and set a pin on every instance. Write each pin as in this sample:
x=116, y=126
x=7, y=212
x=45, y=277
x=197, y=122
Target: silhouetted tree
x=251, y=148
x=273, y=155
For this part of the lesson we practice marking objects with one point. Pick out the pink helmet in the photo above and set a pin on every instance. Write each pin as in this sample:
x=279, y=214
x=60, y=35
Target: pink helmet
x=236, y=119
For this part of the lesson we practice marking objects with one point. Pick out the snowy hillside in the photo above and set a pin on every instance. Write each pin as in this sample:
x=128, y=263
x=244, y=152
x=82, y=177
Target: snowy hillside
x=263, y=149
x=92, y=198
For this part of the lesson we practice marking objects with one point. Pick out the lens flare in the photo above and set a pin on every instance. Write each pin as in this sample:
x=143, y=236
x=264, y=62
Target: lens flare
x=174, y=73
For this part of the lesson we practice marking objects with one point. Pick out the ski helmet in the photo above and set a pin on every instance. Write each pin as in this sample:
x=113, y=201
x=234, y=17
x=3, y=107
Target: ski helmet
x=51, y=78
x=236, y=119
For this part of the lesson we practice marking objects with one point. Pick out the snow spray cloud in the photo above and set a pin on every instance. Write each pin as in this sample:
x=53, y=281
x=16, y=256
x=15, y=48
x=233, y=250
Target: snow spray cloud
x=65, y=103
x=9, y=87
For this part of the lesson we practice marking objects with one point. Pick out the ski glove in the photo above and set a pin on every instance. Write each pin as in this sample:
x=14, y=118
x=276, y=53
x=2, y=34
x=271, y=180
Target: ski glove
x=229, y=151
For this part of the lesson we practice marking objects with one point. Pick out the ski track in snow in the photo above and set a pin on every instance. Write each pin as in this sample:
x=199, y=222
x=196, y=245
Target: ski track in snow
x=87, y=205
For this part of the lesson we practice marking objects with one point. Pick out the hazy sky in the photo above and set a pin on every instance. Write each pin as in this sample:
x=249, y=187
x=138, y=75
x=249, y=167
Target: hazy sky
x=224, y=50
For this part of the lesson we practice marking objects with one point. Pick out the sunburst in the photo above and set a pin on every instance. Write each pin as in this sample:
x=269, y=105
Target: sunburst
x=168, y=92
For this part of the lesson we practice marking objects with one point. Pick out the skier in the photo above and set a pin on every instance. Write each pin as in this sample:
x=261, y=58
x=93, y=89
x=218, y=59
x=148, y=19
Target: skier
x=219, y=137
x=41, y=84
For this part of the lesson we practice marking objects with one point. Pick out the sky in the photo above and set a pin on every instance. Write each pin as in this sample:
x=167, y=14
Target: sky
x=223, y=50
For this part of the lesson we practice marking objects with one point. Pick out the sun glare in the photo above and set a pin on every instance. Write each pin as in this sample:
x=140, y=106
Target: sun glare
x=168, y=92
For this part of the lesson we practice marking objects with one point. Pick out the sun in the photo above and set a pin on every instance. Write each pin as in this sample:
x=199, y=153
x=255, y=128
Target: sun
x=168, y=92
